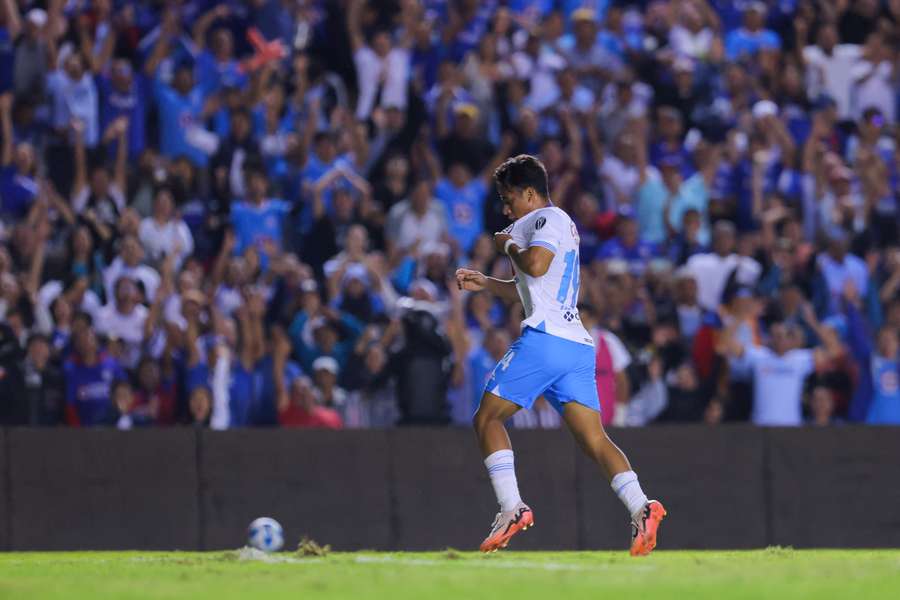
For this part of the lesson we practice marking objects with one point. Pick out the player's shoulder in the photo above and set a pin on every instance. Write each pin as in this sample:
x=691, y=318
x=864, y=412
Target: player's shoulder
x=548, y=215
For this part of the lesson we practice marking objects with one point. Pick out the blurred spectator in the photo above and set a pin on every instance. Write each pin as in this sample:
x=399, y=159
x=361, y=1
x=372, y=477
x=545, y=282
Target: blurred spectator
x=752, y=36
x=90, y=375
x=155, y=397
x=301, y=409
x=421, y=364
x=380, y=61
x=164, y=233
x=779, y=372
x=124, y=318
x=712, y=271
x=32, y=387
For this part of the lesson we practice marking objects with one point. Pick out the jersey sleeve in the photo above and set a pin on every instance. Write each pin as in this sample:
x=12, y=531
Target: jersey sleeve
x=547, y=231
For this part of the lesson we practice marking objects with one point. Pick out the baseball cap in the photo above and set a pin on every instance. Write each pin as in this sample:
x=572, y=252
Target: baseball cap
x=326, y=363
x=37, y=17
x=466, y=108
x=584, y=14
x=765, y=108
x=426, y=286
x=684, y=273
x=439, y=248
x=616, y=266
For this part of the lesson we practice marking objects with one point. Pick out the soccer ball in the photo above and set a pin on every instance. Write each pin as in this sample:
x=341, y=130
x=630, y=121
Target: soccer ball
x=265, y=534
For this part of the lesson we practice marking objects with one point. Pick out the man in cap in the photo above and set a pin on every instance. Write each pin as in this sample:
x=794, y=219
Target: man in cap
x=589, y=59
x=330, y=395
x=32, y=56
x=356, y=296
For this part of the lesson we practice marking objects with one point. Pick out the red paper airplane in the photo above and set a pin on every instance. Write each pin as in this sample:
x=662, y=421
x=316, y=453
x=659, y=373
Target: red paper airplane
x=266, y=51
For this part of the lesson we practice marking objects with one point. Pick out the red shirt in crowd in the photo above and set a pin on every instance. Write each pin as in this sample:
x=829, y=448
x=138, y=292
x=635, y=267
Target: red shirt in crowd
x=318, y=417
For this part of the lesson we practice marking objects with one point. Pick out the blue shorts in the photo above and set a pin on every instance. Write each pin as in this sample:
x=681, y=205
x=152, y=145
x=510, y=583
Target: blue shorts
x=539, y=363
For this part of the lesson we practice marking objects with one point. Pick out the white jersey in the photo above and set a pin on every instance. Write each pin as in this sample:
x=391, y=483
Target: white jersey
x=551, y=300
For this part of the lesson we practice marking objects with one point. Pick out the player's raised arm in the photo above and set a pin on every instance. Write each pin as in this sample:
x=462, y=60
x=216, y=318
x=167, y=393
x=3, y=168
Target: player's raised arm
x=475, y=281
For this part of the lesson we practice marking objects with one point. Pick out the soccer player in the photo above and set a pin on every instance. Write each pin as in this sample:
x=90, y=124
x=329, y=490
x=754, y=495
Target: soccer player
x=554, y=356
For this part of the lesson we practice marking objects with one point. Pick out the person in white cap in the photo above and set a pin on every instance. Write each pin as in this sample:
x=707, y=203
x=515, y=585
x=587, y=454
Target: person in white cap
x=328, y=393
x=772, y=142
x=32, y=56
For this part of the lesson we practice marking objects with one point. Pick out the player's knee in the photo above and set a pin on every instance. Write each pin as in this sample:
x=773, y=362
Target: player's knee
x=478, y=420
x=481, y=419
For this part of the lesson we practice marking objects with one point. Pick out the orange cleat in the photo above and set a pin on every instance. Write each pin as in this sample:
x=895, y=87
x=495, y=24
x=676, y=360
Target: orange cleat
x=643, y=528
x=507, y=524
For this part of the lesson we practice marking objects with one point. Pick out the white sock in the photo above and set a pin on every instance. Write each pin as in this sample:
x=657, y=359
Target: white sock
x=628, y=489
x=501, y=466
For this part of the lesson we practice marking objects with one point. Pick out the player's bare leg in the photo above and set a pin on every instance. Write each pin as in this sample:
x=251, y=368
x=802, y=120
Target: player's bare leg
x=514, y=515
x=488, y=421
x=590, y=435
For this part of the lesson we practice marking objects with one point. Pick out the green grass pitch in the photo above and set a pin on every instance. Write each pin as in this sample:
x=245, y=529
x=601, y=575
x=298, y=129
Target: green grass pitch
x=771, y=573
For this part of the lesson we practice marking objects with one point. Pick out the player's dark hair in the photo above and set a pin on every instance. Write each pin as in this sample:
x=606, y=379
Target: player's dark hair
x=522, y=172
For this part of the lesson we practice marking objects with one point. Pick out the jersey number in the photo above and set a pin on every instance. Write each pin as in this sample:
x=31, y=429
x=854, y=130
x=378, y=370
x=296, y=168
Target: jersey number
x=569, y=279
x=507, y=358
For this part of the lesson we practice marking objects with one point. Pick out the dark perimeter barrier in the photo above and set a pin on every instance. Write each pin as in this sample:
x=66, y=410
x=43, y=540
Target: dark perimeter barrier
x=418, y=489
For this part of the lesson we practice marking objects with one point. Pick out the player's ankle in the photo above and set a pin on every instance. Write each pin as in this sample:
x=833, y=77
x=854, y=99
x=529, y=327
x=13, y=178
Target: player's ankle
x=628, y=489
x=501, y=468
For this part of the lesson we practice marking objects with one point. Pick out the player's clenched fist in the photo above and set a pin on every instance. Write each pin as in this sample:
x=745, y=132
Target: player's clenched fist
x=470, y=280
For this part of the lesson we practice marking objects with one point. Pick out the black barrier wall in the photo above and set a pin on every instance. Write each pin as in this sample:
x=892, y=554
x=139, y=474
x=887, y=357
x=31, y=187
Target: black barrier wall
x=417, y=489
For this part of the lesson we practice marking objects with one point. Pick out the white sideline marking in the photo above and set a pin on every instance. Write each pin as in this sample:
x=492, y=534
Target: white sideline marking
x=246, y=554
x=491, y=564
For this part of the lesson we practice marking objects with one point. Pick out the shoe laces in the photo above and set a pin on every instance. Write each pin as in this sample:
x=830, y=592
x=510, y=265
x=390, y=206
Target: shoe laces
x=497, y=520
x=638, y=521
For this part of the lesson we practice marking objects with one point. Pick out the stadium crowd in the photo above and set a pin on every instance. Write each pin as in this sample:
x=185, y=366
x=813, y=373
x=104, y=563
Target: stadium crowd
x=249, y=213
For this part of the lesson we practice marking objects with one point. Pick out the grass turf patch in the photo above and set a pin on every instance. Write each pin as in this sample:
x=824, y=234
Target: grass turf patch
x=769, y=573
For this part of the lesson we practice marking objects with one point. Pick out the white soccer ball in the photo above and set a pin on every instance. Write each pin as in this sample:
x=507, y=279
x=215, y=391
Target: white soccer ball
x=265, y=534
